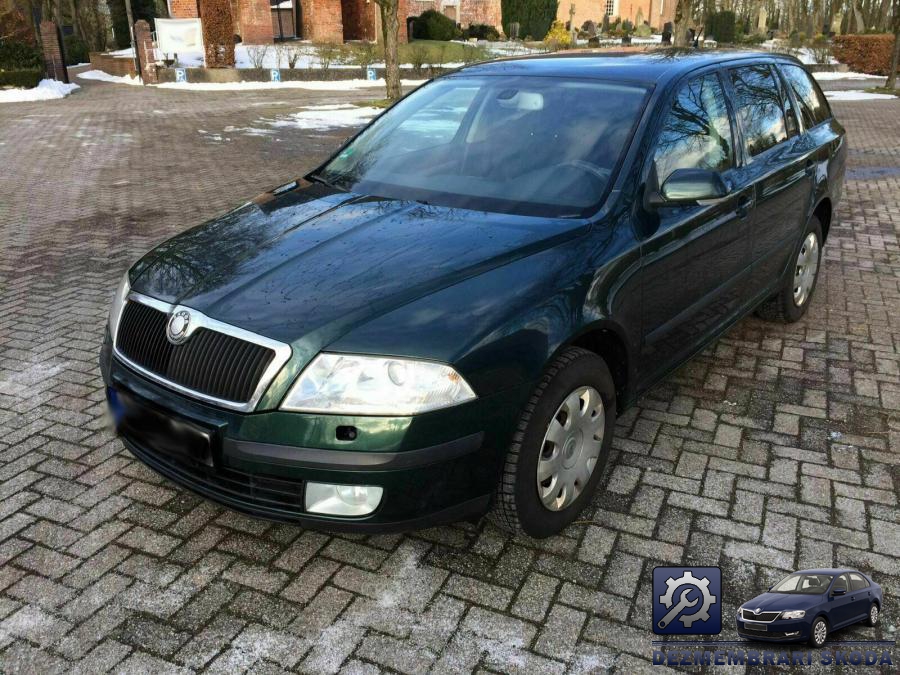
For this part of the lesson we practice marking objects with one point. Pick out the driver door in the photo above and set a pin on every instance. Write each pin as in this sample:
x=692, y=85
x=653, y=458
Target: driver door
x=694, y=257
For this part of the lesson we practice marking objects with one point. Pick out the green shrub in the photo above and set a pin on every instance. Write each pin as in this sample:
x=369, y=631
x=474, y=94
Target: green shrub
x=557, y=37
x=533, y=16
x=26, y=78
x=643, y=31
x=19, y=56
x=721, y=26
x=481, y=31
x=432, y=25
x=76, y=50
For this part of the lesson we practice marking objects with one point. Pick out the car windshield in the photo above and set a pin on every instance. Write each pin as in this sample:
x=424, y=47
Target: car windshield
x=528, y=145
x=810, y=584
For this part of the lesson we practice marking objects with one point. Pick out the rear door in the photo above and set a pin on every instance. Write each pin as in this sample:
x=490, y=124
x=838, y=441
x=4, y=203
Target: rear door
x=860, y=596
x=692, y=257
x=778, y=164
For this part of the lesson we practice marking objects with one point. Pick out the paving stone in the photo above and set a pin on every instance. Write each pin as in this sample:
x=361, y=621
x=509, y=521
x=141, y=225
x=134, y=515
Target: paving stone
x=773, y=449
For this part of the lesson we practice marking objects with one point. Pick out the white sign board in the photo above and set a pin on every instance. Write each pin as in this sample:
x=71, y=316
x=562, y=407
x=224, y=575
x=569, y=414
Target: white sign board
x=178, y=36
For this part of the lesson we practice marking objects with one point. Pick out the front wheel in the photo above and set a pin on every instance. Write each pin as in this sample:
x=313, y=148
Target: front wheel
x=818, y=633
x=792, y=300
x=559, y=448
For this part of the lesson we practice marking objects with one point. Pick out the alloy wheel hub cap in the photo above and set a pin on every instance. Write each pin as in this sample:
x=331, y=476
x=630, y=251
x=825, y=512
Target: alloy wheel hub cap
x=570, y=448
x=805, y=269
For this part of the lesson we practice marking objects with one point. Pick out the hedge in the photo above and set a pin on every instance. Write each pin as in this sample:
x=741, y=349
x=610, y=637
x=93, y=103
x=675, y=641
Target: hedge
x=533, y=16
x=721, y=26
x=21, y=78
x=432, y=25
x=19, y=56
x=864, y=53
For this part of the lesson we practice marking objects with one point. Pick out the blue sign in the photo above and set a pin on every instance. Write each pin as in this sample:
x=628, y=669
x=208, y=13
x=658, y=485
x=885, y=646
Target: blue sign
x=276, y=75
x=370, y=74
x=687, y=601
x=180, y=75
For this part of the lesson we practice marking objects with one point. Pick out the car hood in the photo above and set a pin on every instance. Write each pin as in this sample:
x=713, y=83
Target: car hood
x=771, y=602
x=311, y=260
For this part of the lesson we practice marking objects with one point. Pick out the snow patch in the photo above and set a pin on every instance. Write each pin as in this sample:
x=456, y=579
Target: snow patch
x=845, y=76
x=316, y=85
x=857, y=95
x=326, y=117
x=102, y=76
x=45, y=91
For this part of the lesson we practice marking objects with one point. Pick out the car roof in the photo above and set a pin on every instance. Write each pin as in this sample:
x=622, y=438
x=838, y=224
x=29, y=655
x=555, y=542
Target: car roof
x=827, y=570
x=656, y=66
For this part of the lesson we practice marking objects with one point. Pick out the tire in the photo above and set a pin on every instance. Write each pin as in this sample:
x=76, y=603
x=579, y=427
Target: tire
x=821, y=632
x=786, y=305
x=576, y=378
x=874, y=615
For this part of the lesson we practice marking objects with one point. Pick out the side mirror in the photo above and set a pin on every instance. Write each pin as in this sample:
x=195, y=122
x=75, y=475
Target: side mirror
x=838, y=590
x=690, y=186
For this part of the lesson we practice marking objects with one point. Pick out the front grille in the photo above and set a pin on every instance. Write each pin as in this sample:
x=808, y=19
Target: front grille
x=208, y=362
x=269, y=494
x=762, y=616
x=761, y=633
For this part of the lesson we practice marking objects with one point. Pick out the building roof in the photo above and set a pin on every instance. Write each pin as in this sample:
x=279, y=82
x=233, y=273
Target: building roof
x=656, y=66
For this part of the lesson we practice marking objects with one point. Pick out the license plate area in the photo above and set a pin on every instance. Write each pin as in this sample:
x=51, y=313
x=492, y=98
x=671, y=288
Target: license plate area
x=160, y=431
x=756, y=625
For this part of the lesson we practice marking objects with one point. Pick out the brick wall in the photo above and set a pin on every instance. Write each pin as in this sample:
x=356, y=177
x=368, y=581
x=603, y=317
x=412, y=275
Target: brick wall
x=481, y=11
x=359, y=19
x=143, y=39
x=184, y=9
x=255, y=22
x=322, y=20
x=114, y=65
x=53, y=58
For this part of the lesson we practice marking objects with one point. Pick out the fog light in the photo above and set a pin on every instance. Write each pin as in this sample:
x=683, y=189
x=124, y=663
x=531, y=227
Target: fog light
x=342, y=500
x=796, y=632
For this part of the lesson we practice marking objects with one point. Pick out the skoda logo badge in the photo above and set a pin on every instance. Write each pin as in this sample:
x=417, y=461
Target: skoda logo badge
x=757, y=610
x=177, y=328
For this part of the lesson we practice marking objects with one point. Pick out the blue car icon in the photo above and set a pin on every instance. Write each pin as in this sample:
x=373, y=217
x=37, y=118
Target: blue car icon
x=809, y=605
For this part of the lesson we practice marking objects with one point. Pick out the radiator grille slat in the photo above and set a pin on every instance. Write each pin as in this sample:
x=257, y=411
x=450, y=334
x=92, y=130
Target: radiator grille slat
x=208, y=362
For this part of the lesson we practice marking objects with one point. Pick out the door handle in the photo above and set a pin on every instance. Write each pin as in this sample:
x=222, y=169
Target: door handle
x=810, y=168
x=743, y=206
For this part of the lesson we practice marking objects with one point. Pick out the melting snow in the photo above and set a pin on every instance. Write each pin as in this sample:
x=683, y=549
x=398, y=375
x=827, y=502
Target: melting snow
x=857, y=95
x=106, y=77
x=45, y=91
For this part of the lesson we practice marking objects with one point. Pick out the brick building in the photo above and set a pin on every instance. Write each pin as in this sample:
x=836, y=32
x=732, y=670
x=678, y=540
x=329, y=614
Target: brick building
x=463, y=12
x=654, y=12
x=261, y=21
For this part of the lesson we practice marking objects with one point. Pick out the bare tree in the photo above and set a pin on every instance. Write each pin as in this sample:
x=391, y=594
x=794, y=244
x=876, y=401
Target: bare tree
x=684, y=11
x=390, y=31
x=891, y=81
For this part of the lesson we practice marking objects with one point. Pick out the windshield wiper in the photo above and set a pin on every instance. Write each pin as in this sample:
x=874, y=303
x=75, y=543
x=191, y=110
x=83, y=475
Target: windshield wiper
x=316, y=178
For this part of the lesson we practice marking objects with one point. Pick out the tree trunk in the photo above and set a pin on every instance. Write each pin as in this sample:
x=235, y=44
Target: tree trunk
x=390, y=31
x=682, y=24
x=891, y=81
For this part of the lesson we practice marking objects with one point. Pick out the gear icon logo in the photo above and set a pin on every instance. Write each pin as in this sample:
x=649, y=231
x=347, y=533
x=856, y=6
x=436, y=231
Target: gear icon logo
x=687, y=600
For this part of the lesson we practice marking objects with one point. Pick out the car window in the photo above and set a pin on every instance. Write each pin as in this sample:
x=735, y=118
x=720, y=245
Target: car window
x=790, y=115
x=697, y=131
x=842, y=582
x=813, y=106
x=540, y=146
x=436, y=122
x=803, y=583
x=857, y=582
x=759, y=107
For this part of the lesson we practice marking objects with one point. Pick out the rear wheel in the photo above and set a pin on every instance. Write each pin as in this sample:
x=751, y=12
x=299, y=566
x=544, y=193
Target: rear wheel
x=818, y=633
x=559, y=448
x=874, y=614
x=791, y=301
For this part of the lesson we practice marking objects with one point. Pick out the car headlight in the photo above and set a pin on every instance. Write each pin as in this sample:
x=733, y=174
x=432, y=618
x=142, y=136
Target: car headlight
x=347, y=384
x=793, y=614
x=118, y=304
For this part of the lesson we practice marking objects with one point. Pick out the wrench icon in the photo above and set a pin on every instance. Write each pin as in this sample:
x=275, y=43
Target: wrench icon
x=680, y=605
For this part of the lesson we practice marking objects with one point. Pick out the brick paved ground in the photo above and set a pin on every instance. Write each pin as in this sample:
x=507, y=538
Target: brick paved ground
x=775, y=449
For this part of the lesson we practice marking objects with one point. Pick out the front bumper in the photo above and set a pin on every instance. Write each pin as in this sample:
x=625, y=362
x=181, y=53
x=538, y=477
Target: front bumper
x=434, y=468
x=792, y=630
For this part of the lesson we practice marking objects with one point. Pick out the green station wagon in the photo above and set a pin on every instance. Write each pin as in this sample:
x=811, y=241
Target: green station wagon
x=444, y=319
